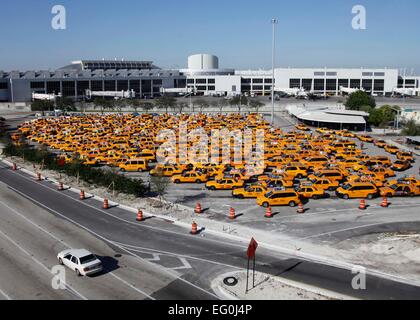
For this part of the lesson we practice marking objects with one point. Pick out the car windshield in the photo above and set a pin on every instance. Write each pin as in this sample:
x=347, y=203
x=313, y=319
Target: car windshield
x=347, y=186
x=268, y=194
x=87, y=259
x=394, y=187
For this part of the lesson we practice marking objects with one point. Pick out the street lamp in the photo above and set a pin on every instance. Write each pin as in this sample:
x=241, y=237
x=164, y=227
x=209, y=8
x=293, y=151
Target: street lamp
x=273, y=23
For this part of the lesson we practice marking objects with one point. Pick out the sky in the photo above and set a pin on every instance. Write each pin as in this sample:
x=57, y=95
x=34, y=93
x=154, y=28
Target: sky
x=310, y=33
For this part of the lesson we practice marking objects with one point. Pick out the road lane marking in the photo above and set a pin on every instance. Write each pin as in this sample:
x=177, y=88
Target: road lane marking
x=168, y=271
x=64, y=243
x=69, y=288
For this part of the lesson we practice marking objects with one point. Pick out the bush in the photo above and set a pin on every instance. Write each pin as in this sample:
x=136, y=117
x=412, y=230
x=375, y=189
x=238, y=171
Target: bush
x=86, y=173
x=412, y=129
x=358, y=99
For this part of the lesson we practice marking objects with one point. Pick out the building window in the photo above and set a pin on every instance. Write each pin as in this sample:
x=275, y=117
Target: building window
x=267, y=88
x=343, y=83
x=201, y=88
x=319, y=73
x=379, y=74
x=379, y=85
x=135, y=85
x=157, y=82
x=331, y=74
x=69, y=88
x=246, y=88
x=294, y=83
x=355, y=83
x=156, y=89
x=97, y=86
x=367, y=84
x=257, y=88
x=190, y=81
x=246, y=80
x=201, y=81
x=257, y=80
x=3, y=85
x=211, y=88
x=146, y=86
x=268, y=80
x=319, y=85
x=307, y=84
x=367, y=74
x=82, y=86
x=109, y=85
x=38, y=85
x=331, y=84
x=211, y=81
x=53, y=87
x=122, y=85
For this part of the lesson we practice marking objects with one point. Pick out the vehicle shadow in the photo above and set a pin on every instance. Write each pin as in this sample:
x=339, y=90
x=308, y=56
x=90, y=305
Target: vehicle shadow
x=109, y=264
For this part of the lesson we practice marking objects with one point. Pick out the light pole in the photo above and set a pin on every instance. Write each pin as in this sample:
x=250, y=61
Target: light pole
x=273, y=23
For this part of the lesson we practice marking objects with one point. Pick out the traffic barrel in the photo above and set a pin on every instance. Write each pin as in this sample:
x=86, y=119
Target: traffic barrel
x=198, y=208
x=269, y=213
x=194, y=228
x=385, y=203
x=362, y=205
x=82, y=195
x=106, y=204
x=14, y=167
x=60, y=186
x=38, y=177
x=139, y=215
x=300, y=209
x=232, y=214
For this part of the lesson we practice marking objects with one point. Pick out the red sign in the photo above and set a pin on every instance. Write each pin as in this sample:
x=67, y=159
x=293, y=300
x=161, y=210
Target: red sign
x=61, y=162
x=252, y=248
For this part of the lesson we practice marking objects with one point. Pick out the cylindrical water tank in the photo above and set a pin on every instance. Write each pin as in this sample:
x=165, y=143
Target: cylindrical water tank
x=203, y=62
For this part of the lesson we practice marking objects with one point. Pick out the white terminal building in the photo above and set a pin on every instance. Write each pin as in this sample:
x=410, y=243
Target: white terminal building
x=205, y=77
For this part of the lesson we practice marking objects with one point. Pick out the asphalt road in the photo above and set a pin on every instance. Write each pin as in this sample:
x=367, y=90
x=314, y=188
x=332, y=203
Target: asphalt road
x=183, y=265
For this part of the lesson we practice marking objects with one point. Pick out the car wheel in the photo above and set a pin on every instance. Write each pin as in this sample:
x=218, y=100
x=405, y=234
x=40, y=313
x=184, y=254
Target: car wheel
x=78, y=273
x=299, y=176
x=370, y=196
x=386, y=176
x=315, y=197
x=241, y=196
x=197, y=181
x=266, y=205
x=213, y=188
x=177, y=181
x=292, y=204
x=346, y=197
x=123, y=170
x=60, y=261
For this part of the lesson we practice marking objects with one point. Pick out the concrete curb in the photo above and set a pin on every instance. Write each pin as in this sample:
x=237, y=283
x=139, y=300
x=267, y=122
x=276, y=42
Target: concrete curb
x=282, y=250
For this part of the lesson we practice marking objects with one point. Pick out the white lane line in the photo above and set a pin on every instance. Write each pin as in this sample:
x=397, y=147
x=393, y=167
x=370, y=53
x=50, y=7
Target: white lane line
x=5, y=295
x=109, y=241
x=128, y=221
x=185, y=265
x=145, y=250
x=40, y=263
x=64, y=243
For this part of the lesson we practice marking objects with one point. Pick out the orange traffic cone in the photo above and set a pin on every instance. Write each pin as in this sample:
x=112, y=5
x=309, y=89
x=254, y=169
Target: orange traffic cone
x=82, y=195
x=362, y=205
x=139, y=215
x=14, y=167
x=300, y=209
x=385, y=203
x=198, y=208
x=38, y=176
x=194, y=228
x=232, y=214
x=269, y=213
x=60, y=186
x=106, y=204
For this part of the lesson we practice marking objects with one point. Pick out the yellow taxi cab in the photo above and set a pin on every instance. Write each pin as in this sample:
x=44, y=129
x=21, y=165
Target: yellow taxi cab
x=148, y=155
x=165, y=170
x=315, y=162
x=408, y=180
x=279, y=197
x=379, y=172
x=385, y=161
x=190, y=177
x=134, y=165
x=309, y=191
x=378, y=182
x=401, y=165
x=225, y=184
x=405, y=156
x=379, y=143
x=391, y=149
x=401, y=189
x=348, y=163
x=366, y=138
x=357, y=190
x=252, y=191
x=295, y=171
x=332, y=175
x=323, y=184
x=302, y=127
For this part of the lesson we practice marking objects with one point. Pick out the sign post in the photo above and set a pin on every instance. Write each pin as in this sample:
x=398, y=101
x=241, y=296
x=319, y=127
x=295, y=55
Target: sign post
x=252, y=248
